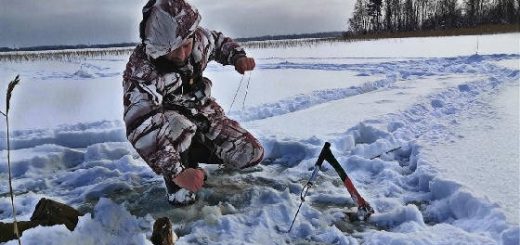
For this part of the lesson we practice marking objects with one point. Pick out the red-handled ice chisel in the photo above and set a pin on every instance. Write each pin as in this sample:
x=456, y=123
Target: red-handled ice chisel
x=364, y=210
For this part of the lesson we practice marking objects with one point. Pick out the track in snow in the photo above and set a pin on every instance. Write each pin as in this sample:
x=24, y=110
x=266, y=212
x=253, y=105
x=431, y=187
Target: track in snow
x=393, y=71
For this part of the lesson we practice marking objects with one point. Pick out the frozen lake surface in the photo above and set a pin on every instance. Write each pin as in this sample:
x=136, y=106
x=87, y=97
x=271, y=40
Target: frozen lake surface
x=452, y=113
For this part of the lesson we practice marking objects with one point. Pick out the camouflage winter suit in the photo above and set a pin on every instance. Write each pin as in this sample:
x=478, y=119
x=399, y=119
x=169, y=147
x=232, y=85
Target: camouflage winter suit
x=167, y=110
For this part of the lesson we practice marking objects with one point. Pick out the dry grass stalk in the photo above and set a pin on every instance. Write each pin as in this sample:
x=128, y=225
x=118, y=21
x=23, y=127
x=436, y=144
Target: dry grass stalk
x=10, y=89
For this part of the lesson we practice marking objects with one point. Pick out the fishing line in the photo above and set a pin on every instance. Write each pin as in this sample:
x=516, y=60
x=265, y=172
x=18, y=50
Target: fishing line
x=236, y=93
x=247, y=91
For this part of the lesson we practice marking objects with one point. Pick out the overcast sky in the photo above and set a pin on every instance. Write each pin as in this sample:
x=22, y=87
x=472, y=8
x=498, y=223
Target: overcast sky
x=48, y=22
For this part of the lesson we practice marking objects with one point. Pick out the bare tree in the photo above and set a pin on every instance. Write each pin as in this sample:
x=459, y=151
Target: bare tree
x=359, y=21
x=374, y=11
x=388, y=15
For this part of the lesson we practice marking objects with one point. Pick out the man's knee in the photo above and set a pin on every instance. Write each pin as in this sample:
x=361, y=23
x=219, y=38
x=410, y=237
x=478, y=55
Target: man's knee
x=257, y=157
x=253, y=154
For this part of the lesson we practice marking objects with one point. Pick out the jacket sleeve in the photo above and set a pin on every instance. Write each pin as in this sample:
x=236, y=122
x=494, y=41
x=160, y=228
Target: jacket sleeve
x=225, y=50
x=152, y=131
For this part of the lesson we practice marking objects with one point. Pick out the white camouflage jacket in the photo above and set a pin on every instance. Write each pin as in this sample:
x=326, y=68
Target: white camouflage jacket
x=146, y=87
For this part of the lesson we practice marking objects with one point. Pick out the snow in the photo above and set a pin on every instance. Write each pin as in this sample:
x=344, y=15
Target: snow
x=402, y=48
x=408, y=124
x=491, y=151
x=353, y=109
x=46, y=84
x=109, y=224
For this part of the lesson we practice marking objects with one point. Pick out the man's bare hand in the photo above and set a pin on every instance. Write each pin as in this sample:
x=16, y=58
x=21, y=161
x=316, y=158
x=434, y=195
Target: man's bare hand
x=244, y=64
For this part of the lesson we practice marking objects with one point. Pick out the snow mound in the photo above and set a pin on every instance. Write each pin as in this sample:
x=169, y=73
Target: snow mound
x=89, y=71
x=79, y=135
x=42, y=158
x=304, y=101
x=83, y=73
x=109, y=224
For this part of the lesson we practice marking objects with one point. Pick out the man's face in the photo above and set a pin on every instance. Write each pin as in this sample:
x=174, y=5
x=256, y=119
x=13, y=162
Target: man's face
x=180, y=55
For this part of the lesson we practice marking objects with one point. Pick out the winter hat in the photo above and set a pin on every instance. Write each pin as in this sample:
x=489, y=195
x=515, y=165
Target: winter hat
x=166, y=24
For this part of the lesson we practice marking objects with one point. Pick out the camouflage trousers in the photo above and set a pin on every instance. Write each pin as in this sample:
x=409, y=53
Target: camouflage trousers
x=176, y=138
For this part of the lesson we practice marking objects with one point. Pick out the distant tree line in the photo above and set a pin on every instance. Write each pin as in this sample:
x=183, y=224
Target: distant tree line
x=291, y=36
x=62, y=47
x=412, y=15
x=114, y=45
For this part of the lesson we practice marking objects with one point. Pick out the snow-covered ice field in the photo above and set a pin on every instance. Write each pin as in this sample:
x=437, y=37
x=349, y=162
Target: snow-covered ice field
x=452, y=109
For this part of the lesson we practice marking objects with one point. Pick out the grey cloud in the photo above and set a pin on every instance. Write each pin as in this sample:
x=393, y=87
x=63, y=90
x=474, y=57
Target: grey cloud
x=36, y=22
x=48, y=22
x=264, y=17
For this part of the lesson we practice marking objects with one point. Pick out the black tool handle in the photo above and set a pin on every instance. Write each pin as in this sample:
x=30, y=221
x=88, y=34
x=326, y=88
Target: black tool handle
x=323, y=154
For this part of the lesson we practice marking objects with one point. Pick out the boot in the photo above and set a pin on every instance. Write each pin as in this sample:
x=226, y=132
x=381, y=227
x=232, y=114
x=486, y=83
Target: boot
x=178, y=196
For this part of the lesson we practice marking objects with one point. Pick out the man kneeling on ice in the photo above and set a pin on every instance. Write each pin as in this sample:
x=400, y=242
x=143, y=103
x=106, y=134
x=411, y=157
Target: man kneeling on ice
x=171, y=119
